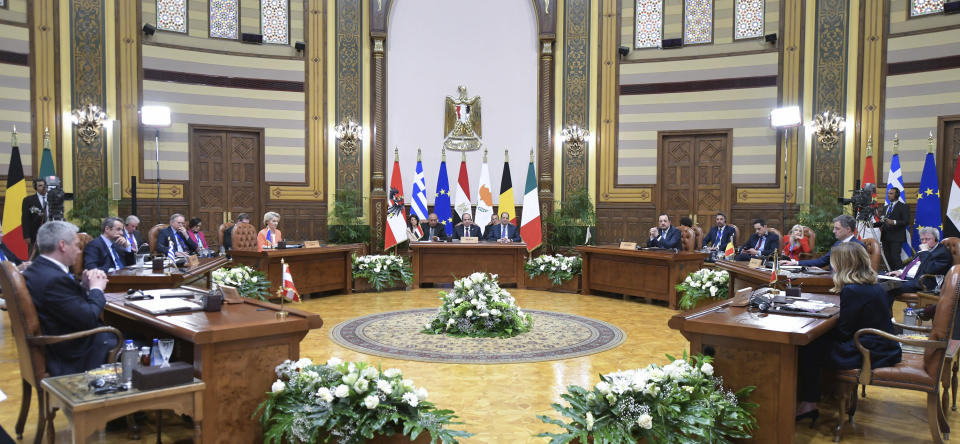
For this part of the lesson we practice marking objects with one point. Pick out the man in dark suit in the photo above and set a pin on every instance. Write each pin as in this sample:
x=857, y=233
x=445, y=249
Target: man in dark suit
x=845, y=230
x=893, y=228
x=504, y=231
x=174, y=241
x=228, y=233
x=933, y=258
x=720, y=235
x=65, y=306
x=111, y=250
x=34, y=212
x=664, y=235
x=762, y=242
x=466, y=228
x=132, y=234
x=433, y=230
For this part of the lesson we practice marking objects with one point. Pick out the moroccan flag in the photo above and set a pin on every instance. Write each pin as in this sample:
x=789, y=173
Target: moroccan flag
x=289, y=290
x=484, y=200
x=441, y=203
x=952, y=225
x=396, y=229
x=530, y=230
x=506, y=194
x=461, y=203
x=728, y=252
x=928, y=201
x=13, y=204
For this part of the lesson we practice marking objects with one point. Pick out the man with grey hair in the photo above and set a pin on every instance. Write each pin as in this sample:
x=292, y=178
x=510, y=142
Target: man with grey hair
x=174, y=241
x=65, y=306
x=845, y=230
x=933, y=258
x=132, y=234
x=110, y=251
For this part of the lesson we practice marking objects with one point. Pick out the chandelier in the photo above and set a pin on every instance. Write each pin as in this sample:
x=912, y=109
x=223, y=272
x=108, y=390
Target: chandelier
x=88, y=121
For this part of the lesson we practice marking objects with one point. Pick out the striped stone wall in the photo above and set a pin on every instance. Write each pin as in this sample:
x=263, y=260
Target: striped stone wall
x=225, y=90
x=917, y=92
x=14, y=11
x=15, y=94
x=713, y=99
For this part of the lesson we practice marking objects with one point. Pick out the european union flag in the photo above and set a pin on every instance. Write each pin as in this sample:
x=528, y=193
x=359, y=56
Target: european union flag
x=441, y=203
x=928, y=201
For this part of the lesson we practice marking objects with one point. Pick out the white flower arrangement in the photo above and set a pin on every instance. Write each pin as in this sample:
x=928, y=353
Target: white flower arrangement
x=382, y=270
x=350, y=402
x=558, y=268
x=703, y=284
x=249, y=283
x=679, y=402
x=478, y=307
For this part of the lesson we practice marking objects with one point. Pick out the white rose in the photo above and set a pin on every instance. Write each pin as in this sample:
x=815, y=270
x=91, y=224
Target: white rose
x=713, y=291
x=384, y=386
x=484, y=314
x=325, y=394
x=342, y=391
x=371, y=402
x=450, y=322
x=370, y=372
x=334, y=361
x=361, y=386
x=469, y=313
x=351, y=367
x=278, y=386
x=303, y=362
x=645, y=421
x=707, y=369
x=411, y=398
x=458, y=301
x=422, y=394
x=474, y=301
x=603, y=387
x=407, y=384
x=392, y=372
x=589, y=421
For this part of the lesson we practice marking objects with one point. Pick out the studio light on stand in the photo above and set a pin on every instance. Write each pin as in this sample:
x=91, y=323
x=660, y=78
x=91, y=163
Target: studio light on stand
x=785, y=118
x=156, y=117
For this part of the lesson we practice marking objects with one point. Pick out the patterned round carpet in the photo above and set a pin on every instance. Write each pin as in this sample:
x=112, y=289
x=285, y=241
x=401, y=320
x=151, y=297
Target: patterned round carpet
x=554, y=336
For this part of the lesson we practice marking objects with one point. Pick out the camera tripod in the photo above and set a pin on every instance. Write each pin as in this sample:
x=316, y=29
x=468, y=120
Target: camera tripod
x=866, y=226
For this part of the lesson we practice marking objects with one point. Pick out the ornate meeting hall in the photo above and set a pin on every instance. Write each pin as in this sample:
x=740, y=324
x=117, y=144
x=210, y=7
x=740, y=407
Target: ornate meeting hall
x=497, y=221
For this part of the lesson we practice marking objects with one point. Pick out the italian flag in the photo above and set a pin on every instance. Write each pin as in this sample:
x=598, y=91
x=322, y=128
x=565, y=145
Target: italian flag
x=13, y=204
x=952, y=227
x=530, y=229
x=396, y=229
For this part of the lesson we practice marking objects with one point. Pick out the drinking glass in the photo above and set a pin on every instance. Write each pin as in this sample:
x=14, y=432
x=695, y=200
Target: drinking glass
x=142, y=259
x=166, y=349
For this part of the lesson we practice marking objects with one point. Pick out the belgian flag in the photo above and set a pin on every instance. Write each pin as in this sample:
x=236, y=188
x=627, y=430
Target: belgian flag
x=13, y=203
x=506, y=193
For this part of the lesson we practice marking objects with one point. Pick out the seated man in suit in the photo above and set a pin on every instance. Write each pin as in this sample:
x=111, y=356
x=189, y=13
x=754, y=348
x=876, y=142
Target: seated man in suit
x=433, y=230
x=845, y=230
x=133, y=236
x=934, y=258
x=466, y=228
x=228, y=233
x=664, y=235
x=111, y=251
x=762, y=242
x=504, y=231
x=65, y=306
x=720, y=235
x=174, y=241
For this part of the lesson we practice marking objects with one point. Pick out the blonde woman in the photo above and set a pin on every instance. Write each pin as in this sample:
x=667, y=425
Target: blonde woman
x=795, y=243
x=863, y=304
x=269, y=236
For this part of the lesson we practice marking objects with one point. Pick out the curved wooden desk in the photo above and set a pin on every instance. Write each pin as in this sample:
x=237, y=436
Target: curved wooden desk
x=743, y=276
x=314, y=269
x=443, y=262
x=146, y=279
x=641, y=273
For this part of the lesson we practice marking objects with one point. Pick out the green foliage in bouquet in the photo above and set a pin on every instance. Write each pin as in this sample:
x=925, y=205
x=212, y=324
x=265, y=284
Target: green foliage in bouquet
x=703, y=284
x=681, y=402
x=250, y=283
x=557, y=267
x=349, y=403
x=383, y=270
x=478, y=307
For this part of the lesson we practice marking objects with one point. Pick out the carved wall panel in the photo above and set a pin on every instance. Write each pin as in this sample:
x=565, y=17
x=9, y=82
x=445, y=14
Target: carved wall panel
x=830, y=86
x=349, y=89
x=576, y=90
x=301, y=220
x=624, y=221
x=88, y=75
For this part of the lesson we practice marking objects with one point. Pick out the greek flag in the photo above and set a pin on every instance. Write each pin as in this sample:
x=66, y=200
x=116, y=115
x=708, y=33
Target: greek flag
x=420, y=194
x=895, y=180
x=172, y=250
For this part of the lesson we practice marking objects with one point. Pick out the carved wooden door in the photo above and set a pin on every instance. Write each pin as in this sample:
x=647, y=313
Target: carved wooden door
x=694, y=175
x=225, y=177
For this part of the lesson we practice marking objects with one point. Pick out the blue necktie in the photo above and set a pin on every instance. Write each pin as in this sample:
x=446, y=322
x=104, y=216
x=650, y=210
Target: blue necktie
x=113, y=255
x=503, y=234
x=720, y=237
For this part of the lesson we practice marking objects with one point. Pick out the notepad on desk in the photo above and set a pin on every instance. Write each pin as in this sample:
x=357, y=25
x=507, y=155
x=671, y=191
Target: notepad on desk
x=164, y=293
x=165, y=306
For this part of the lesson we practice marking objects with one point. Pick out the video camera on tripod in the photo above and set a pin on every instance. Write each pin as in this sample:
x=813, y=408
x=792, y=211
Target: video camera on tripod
x=55, y=197
x=863, y=202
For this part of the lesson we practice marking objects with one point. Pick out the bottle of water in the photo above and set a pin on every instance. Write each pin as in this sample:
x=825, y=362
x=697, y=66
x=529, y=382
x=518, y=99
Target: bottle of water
x=910, y=319
x=129, y=359
x=155, y=358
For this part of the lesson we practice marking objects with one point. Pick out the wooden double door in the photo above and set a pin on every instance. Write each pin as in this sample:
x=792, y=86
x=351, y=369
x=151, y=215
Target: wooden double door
x=226, y=176
x=694, y=174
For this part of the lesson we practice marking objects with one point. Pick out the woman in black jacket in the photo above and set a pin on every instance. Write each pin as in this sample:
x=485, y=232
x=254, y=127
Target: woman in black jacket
x=863, y=304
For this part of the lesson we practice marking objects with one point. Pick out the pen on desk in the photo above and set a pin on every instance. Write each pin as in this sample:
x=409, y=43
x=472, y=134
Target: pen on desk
x=706, y=312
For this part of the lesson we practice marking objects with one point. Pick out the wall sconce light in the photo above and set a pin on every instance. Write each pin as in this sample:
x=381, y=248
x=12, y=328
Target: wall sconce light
x=827, y=127
x=576, y=138
x=349, y=133
x=88, y=121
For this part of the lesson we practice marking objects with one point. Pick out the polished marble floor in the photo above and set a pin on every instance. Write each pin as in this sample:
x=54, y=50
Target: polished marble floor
x=499, y=403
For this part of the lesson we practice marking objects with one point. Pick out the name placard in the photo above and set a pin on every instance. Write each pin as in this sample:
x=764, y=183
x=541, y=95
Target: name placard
x=231, y=295
x=755, y=263
x=628, y=245
x=193, y=260
x=311, y=244
x=469, y=240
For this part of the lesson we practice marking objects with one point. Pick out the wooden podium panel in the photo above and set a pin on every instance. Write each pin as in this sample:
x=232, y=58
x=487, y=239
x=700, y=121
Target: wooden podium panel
x=648, y=274
x=442, y=262
x=756, y=349
x=234, y=351
x=743, y=276
x=146, y=279
x=313, y=269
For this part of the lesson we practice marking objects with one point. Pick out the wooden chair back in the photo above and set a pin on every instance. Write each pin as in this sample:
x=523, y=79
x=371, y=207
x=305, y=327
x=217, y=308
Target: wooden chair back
x=736, y=235
x=777, y=232
x=874, y=251
x=811, y=238
x=943, y=322
x=223, y=228
x=699, y=237
x=83, y=240
x=953, y=245
x=153, y=234
x=24, y=322
x=244, y=237
x=688, y=238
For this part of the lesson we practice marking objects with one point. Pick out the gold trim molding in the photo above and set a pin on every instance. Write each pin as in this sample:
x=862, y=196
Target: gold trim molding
x=44, y=94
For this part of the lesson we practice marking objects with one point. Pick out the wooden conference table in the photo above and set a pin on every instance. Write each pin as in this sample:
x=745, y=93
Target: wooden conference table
x=650, y=274
x=444, y=262
x=313, y=269
x=234, y=352
x=146, y=279
x=743, y=276
x=756, y=349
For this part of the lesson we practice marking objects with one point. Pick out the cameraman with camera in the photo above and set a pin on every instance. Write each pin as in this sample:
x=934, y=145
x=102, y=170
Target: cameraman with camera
x=894, y=219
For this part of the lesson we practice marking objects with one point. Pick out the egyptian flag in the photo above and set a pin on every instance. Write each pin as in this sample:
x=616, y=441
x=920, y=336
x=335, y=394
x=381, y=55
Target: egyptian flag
x=461, y=203
x=951, y=228
x=13, y=205
x=506, y=194
x=530, y=230
x=396, y=229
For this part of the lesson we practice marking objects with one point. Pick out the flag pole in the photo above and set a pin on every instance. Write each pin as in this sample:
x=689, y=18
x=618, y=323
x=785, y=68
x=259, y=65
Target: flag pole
x=282, y=314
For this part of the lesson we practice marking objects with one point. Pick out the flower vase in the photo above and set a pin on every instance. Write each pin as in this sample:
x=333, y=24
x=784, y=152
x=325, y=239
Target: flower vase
x=362, y=285
x=543, y=282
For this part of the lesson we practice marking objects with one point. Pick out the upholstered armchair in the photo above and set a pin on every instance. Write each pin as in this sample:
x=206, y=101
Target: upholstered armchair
x=152, y=236
x=244, y=237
